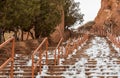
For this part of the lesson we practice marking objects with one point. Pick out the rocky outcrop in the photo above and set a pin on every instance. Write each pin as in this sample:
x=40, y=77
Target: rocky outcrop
x=109, y=15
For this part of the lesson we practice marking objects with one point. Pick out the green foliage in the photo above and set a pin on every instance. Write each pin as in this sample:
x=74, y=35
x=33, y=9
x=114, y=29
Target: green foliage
x=48, y=18
x=45, y=15
x=72, y=13
x=17, y=13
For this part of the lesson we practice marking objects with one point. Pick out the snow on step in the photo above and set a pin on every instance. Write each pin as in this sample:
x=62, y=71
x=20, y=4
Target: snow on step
x=106, y=66
x=100, y=64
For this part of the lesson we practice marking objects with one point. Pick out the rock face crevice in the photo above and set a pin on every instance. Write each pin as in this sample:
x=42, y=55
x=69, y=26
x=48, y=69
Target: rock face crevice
x=109, y=15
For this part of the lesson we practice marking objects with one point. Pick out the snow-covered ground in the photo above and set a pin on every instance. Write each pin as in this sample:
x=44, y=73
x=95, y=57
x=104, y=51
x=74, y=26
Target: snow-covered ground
x=116, y=48
x=98, y=51
x=44, y=70
x=105, y=66
x=101, y=53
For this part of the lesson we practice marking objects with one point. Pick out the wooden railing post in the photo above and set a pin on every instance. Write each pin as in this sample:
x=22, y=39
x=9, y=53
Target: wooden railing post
x=58, y=54
x=32, y=66
x=118, y=40
x=55, y=56
x=57, y=49
x=38, y=49
x=80, y=40
x=11, y=59
x=67, y=51
x=46, y=52
x=40, y=57
x=12, y=56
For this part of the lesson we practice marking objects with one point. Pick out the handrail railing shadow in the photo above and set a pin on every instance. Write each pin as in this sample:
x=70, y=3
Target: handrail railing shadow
x=39, y=50
x=11, y=59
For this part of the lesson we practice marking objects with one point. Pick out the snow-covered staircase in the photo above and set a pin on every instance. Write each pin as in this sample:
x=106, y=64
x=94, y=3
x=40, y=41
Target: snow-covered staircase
x=102, y=62
x=21, y=68
x=95, y=58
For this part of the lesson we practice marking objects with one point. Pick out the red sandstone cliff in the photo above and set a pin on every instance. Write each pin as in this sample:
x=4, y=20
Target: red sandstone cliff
x=109, y=15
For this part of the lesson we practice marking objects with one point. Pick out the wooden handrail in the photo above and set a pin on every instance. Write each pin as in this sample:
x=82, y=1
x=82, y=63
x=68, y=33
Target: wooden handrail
x=6, y=42
x=39, y=46
x=80, y=40
x=57, y=48
x=11, y=59
x=5, y=63
x=67, y=47
x=45, y=41
x=99, y=31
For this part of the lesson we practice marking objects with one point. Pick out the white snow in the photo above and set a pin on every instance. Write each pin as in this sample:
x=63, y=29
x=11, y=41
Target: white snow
x=38, y=76
x=116, y=48
x=100, y=52
x=29, y=63
x=43, y=72
x=61, y=60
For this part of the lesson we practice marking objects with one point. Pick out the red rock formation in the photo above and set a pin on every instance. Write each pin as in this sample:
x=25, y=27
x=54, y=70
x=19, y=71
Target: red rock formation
x=109, y=14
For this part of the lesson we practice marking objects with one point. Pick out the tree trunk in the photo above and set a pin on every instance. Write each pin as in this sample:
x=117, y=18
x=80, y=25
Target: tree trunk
x=1, y=36
x=27, y=35
x=32, y=35
x=22, y=35
x=15, y=35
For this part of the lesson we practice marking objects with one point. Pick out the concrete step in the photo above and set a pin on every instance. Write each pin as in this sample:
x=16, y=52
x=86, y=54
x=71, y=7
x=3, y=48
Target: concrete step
x=16, y=76
x=56, y=70
x=107, y=76
x=18, y=72
x=70, y=61
x=52, y=77
x=58, y=66
x=54, y=73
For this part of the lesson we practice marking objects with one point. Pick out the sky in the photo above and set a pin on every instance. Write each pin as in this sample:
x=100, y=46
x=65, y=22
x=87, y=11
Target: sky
x=89, y=8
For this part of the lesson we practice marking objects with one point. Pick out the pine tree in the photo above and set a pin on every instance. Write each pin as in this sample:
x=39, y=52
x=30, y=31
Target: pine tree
x=44, y=15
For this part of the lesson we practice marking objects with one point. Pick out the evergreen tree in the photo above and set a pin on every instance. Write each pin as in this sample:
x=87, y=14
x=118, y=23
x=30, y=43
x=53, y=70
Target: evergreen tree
x=45, y=15
x=48, y=18
x=72, y=13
